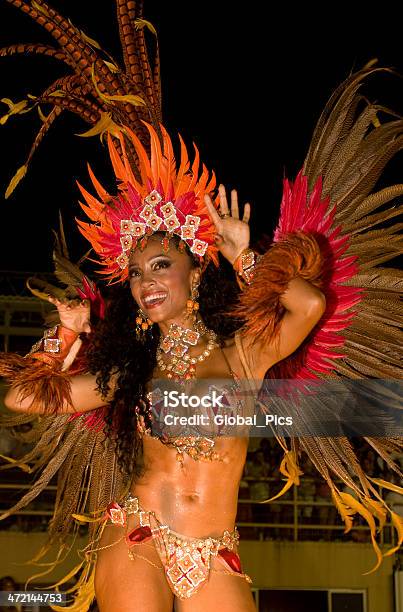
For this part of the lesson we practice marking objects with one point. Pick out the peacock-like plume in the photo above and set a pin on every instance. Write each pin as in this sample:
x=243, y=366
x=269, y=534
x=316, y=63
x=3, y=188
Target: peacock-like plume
x=98, y=90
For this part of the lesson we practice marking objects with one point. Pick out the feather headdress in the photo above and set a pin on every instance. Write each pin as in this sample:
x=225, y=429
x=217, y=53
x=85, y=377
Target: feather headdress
x=165, y=198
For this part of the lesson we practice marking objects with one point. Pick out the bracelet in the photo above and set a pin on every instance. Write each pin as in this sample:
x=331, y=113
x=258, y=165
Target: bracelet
x=54, y=345
x=244, y=266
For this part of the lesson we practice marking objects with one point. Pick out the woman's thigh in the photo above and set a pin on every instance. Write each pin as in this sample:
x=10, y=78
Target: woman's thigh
x=222, y=593
x=130, y=585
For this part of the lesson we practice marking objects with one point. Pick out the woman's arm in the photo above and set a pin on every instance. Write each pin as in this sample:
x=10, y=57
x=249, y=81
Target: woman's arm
x=281, y=306
x=41, y=384
x=304, y=305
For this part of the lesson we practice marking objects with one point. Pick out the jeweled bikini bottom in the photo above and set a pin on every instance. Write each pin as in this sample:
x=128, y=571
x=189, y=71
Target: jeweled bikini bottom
x=186, y=561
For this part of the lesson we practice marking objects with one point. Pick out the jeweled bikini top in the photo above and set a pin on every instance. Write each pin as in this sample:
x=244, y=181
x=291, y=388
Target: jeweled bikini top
x=197, y=446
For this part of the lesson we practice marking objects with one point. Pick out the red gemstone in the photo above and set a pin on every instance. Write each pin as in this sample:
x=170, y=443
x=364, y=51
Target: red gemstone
x=231, y=559
x=139, y=534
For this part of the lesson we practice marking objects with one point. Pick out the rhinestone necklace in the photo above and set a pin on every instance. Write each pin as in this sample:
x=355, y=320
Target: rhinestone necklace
x=172, y=352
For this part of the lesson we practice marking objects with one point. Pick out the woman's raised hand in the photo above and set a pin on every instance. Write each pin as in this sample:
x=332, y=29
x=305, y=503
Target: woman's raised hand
x=74, y=314
x=233, y=234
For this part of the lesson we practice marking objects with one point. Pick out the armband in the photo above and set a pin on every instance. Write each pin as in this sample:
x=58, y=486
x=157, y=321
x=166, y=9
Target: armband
x=55, y=345
x=244, y=266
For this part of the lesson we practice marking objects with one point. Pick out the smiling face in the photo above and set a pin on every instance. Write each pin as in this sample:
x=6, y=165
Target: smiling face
x=161, y=282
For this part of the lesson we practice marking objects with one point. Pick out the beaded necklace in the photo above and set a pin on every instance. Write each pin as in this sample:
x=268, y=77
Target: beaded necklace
x=173, y=350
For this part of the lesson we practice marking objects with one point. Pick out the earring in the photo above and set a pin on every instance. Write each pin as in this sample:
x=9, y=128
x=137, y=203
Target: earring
x=142, y=325
x=192, y=305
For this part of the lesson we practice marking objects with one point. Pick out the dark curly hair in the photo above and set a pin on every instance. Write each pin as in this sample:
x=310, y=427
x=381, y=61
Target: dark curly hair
x=114, y=350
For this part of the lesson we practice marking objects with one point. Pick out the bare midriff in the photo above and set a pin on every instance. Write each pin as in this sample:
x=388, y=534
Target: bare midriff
x=195, y=498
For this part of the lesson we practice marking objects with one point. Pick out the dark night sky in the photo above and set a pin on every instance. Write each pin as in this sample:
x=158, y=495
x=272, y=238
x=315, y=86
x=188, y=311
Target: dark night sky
x=246, y=87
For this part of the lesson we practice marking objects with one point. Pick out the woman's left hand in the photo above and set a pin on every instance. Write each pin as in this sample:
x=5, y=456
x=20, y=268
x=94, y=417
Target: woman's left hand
x=232, y=233
x=74, y=314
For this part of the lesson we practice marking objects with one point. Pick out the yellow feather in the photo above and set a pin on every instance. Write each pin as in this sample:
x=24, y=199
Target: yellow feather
x=89, y=40
x=23, y=466
x=41, y=553
x=377, y=509
x=131, y=99
x=85, y=594
x=375, y=122
x=14, y=108
x=18, y=176
x=58, y=93
x=345, y=512
x=290, y=469
x=42, y=116
x=82, y=518
x=50, y=566
x=387, y=485
x=140, y=23
x=287, y=486
x=87, y=518
x=68, y=576
x=112, y=67
x=39, y=8
x=105, y=124
x=367, y=513
x=397, y=522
